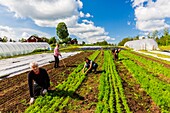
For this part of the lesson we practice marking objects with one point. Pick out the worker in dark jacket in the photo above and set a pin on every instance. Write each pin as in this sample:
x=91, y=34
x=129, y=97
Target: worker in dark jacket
x=115, y=54
x=90, y=65
x=38, y=81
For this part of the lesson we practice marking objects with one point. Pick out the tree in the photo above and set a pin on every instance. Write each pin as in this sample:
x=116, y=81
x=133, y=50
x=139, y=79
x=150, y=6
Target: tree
x=164, y=40
x=52, y=40
x=121, y=43
x=1, y=40
x=5, y=39
x=67, y=40
x=62, y=31
x=22, y=40
x=74, y=41
x=10, y=40
x=83, y=42
x=149, y=35
x=155, y=34
x=44, y=39
x=136, y=38
x=143, y=37
x=166, y=32
x=35, y=35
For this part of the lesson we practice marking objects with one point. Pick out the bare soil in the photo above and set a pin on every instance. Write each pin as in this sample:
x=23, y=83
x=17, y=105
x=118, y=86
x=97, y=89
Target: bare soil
x=153, y=59
x=137, y=98
x=14, y=94
x=89, y=92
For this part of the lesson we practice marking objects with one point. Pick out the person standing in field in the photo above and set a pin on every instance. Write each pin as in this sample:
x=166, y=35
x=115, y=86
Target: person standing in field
x=115, y=53
x=90, y=65
x=38, y=81
x=56, y=56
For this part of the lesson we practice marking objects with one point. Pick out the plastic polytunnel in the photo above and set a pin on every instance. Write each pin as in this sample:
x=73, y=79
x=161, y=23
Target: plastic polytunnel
x=143, y=44
x=17, y=48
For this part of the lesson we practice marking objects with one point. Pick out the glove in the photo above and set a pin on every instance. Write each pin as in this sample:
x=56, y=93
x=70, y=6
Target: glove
x=44, y=91
x=32, y=100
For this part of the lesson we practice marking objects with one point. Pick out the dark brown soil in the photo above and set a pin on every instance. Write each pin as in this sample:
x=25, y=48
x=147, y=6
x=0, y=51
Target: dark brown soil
x=89, y=91
x=14, y=95
x=153, y=59
x=137, y=98
x=159, y=76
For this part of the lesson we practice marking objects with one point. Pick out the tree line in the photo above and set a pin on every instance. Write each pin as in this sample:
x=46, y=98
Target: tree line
x=63, y=37
x=164, y=40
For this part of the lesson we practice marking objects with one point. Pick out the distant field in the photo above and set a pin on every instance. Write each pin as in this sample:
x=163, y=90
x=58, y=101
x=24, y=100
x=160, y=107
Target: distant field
x=164, y=47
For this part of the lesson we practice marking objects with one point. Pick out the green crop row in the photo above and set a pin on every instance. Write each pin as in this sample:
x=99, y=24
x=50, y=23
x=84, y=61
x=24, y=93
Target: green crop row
x=118, y=83
x=52, y=102
x=104, y=91
x=111, y=93
x=158, y=90
x=150, y=65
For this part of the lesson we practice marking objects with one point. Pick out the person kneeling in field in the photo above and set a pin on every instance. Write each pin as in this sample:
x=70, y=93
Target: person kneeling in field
x=90, y=65
x=38, y=81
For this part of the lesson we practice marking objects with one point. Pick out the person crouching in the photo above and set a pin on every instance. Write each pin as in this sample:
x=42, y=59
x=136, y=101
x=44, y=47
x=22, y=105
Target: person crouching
x=90, y=65
x=38, y=81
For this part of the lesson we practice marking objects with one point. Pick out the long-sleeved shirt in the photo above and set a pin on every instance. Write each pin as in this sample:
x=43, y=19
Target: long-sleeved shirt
x=42, y=79
x=56, y=52
x=87, y=64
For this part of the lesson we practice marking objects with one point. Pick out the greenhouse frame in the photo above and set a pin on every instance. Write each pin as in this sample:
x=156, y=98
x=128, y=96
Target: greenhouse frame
x=17, y=48
x=142, y=44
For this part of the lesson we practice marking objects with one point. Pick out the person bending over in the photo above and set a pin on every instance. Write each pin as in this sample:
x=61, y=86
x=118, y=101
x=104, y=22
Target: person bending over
x=38, y=81
x=115, y=54
x=90, y=65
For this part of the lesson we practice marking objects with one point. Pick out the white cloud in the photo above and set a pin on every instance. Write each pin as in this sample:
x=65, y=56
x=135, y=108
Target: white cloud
x=85, y=15
x=88, y=15
x=30, y=32
x=7, y=31
x=138, y=2
x=89, y=32
x=88, y=22
x=18, y=33
x=48, y=13
x=80, y=4
x=128, y=23
x=151, y=15
x=25, y=34
x=42, y=9
x=81, y=14
x=151, y=25
x=71, y=21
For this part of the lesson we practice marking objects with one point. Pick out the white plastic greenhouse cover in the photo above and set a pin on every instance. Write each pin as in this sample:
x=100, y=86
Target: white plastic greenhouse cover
x=143, y=44
x=17, y=48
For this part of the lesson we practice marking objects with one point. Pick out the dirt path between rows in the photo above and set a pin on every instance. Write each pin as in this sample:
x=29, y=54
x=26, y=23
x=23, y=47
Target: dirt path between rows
x=160, y=76
x=14, y=95
x=137, y=99
x=89, y=91
x=153, y=59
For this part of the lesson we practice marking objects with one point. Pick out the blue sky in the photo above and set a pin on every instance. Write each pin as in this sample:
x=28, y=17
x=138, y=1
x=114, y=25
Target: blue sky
x=114, y=16
x=87, y=20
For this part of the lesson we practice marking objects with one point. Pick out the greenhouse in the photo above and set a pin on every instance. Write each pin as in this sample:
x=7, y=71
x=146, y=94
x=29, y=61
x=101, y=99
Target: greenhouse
x=17, y=48
x=143, y=44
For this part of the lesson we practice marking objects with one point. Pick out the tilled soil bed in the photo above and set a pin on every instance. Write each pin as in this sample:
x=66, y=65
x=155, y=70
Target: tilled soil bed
x=14, y=94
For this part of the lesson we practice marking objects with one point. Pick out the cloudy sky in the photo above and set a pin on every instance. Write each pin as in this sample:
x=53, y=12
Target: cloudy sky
x=87, y=20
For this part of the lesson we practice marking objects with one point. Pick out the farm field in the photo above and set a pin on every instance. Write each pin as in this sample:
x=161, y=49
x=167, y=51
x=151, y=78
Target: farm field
x=134, y=84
